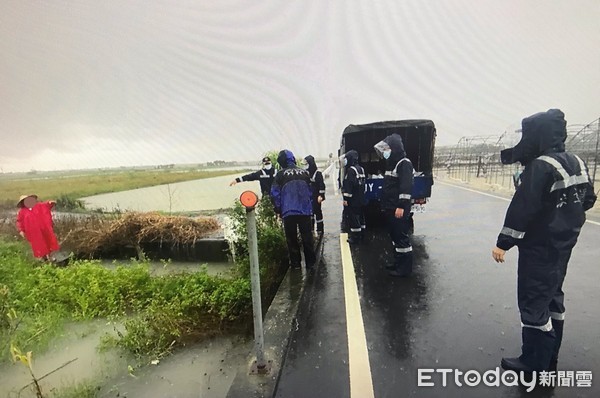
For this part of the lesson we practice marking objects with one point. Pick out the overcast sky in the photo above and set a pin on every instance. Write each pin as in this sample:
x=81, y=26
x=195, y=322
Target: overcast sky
x=88, y=83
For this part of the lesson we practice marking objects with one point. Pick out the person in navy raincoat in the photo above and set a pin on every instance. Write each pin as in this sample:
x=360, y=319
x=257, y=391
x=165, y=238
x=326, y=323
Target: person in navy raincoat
x=317, y=184
x=292, y=200
x=264, y=176
x=396, y=201
x=543, y=220
x=353, y=191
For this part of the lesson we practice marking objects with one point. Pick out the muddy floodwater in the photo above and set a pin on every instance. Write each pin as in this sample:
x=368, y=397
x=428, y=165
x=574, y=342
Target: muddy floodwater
x=206, y=369
x=202, y=370
x=189, y=196
x=78, y=343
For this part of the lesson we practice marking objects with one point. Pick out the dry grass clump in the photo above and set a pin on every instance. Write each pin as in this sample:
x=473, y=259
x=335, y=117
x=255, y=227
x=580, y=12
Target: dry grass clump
x=94, y=236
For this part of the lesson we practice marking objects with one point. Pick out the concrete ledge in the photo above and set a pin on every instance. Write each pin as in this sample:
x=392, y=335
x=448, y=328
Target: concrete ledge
x=207, y=249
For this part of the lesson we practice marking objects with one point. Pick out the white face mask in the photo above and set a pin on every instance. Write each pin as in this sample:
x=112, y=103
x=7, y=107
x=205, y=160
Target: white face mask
x=345, y=162
x=387, y=154
x=268, y=166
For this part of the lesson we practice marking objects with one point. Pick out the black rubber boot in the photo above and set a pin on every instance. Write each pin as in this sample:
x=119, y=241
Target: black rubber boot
x=538, y=348
x=403, y=265
x=399, y=274
x=354, y=238
x=558, y=327
x=515, y=364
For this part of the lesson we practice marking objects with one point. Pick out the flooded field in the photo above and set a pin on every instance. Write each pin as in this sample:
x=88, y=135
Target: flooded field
x=206, y=369
x=190, y=196
x=202, y=370
x=78, y=343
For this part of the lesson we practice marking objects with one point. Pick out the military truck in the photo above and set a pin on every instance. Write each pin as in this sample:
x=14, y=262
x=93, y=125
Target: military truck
x=419, y=142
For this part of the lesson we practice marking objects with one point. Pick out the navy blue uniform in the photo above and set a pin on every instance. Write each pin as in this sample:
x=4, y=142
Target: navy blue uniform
x=317, y=184
x=396, y=194
x=543, y=220
x=292, y=199
x=263, y=176
x=353, y=190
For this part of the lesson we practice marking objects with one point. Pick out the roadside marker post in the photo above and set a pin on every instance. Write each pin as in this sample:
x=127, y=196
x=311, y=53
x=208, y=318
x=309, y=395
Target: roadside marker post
x=249, y=201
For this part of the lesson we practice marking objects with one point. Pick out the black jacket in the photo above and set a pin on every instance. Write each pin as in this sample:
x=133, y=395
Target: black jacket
x=265, y=177
x=548, y=208
x=353, y=188
x=317, y=183
x=398, y=180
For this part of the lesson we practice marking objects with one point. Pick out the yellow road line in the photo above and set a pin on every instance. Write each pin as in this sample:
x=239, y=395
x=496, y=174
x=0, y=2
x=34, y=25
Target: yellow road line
x=493, y=196
x=361, y=383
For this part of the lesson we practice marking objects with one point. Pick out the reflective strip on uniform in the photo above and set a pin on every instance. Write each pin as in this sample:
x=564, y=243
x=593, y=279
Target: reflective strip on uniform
x=358, y=175
x=404, y=249
x=567, y=180
x=561, y=170
x=322, y=191
x=348, y=195
x=265, y=176
x=544, y=328
x=405, y=196
x=393, y=172
x=355, y=230
x=319, y=221
x=363, y=227
x=513, y=233
x=557, y=316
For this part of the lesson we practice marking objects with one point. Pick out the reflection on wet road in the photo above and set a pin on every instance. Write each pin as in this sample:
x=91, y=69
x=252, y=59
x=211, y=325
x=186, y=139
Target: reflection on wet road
x=458, y=311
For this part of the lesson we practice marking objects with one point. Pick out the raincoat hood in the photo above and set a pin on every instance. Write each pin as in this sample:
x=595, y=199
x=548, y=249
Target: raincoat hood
x=286, y=159
x=542, y=133
x=312, y=165
x=352, y=157
x=393, y=142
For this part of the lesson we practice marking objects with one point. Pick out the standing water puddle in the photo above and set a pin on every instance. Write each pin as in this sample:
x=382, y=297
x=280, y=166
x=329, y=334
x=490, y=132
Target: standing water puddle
x=204, y=369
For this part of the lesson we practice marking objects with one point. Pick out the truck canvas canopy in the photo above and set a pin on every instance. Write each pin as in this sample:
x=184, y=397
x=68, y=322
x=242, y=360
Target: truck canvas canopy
x=418, y=136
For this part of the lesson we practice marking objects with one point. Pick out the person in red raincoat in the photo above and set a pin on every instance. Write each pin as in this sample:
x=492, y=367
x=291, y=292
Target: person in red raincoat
x=34, y=223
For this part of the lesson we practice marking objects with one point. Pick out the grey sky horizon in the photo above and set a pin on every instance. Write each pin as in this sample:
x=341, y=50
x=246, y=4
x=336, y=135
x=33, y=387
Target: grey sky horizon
x=87, y=84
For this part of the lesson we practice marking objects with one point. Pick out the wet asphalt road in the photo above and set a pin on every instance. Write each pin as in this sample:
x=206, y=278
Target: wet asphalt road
x=458, y=311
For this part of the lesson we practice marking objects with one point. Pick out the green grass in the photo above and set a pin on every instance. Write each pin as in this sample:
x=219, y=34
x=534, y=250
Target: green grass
x=80, y=390
x=160, y=313
x=96, y=182
x=36, y=301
